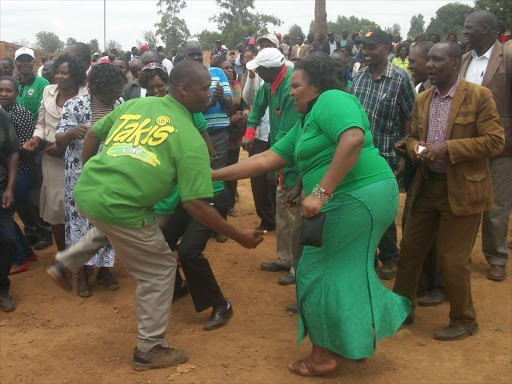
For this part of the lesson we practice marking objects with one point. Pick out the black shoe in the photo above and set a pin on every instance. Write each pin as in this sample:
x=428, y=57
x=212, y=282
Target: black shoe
x=432, y=299
x=273, y=267
x=180, y=292
x=158, y=357
x=43, y=244
x=220, y=316
x=287, y=279
x=409, y=320
x=7, y=303
x=292, y=308
x=455, y=333
x=387, y=272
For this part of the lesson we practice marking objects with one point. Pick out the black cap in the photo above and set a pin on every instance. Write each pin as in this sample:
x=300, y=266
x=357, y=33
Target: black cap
x=376, y=36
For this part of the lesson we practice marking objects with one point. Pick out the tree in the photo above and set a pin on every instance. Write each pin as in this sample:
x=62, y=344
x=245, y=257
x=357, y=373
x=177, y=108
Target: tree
x=172, y=30
x=23, y=43
x=394, y=30
x=148, y=38
x=208, y=38
x=293, y=32
x=94, y=46
x=49, y=42
x=449, y=18
x=70, y=41
x=112, y=44
x=502, y=9
x=237, y=21
x=352, y=24
x=320, y=18
x=417, y=26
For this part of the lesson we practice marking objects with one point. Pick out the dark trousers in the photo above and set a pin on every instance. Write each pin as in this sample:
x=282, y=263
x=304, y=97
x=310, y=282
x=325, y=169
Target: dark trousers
x=23, y=184
x=263, y=192
x=388, y=250
x=233, y=155
x=431, y=278
x=7, y=246
x=201, y=281
x=220, y=141
x=430, y=217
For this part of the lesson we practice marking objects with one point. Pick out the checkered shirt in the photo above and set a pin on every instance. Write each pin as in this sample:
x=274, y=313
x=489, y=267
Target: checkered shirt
x=438, y=122
x=388, y=101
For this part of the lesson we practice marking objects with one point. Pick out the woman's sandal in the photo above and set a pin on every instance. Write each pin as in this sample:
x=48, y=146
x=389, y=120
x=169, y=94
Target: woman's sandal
x=312, y=371
x=108, y=280
x=83, y=289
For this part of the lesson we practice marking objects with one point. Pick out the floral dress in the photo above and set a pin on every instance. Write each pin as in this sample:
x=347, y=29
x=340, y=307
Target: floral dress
x=78, y=111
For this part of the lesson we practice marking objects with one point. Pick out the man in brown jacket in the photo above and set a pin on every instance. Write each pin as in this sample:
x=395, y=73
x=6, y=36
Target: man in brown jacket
x=489, y=64
x=300, y=50
x=455, y=130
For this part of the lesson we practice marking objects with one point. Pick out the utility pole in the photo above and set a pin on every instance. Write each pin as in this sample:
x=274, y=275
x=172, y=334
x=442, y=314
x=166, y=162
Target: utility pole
x=105, y=25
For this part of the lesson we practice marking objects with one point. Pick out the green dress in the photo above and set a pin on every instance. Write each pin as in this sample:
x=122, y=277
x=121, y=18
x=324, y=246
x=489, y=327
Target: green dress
x=342, y=304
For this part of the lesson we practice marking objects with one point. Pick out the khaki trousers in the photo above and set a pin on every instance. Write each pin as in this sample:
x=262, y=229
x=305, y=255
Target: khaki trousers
x=431, y=216
x=286, y=228
x=148, y=258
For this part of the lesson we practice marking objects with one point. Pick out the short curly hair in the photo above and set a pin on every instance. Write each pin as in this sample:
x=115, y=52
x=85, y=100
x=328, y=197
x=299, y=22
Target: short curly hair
x=320, y=70
x=147, y=75
x=104, y=76
x=77, y=69
x=407, y=49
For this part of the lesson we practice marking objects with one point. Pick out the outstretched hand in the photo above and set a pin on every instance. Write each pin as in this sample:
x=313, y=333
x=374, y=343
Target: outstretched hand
x=250, y=238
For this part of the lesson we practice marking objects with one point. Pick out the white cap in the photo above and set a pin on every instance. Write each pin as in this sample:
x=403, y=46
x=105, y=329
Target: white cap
x=224, y=47
x=268, y=58
x=269, y=36
x=24, y=51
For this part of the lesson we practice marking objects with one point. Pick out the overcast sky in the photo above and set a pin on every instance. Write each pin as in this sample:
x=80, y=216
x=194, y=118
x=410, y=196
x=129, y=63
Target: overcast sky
x=127, y=19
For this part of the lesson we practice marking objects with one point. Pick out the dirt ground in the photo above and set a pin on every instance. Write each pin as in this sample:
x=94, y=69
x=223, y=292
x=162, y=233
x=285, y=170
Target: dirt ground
x=55, y=337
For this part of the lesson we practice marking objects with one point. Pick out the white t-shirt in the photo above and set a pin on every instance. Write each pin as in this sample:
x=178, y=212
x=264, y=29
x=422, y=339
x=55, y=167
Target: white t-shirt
x=168, y=65
x=332, y=46
x=477, y=67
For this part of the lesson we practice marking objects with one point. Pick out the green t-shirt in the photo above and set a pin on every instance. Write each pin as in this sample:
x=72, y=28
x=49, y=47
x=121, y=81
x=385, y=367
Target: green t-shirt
x=168, y=204
x=30, y=95
x=312, y=142
x=150, y=146
x=199, y=122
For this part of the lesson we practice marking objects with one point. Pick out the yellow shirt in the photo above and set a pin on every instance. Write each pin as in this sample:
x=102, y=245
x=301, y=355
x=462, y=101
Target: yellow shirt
x=402, y=65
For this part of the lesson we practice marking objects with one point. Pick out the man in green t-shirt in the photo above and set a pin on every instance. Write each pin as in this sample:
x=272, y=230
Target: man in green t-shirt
x=150, y=146
x=31, y=87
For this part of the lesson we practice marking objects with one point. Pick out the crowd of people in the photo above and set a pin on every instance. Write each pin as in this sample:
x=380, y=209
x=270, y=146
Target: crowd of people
x=137, y=158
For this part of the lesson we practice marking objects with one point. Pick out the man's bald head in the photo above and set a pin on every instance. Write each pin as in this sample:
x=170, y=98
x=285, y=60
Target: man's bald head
x=486, y=18
x=193, y=51
x=190, y=84
x=422, y=48
x=480, y=29
x=451, y=48
x=150, y=56
x=82, y=51
x=135, y=66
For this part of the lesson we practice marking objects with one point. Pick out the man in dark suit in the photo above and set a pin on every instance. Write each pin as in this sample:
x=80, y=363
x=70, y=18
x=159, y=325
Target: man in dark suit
x=331, y=44
x=455, y=130
x=489, y=63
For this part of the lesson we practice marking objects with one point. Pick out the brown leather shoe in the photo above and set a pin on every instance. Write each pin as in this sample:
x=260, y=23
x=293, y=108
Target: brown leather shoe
x=497, y=273
x=451, y=333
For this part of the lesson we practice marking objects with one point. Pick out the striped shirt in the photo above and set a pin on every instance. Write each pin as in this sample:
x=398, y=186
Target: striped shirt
x=438, y=122
x=216, y=117
x=388, y=102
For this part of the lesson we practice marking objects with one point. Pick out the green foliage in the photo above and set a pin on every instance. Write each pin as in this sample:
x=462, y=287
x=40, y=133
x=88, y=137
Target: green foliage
x=49, y=42
x=207, y=38
x=293, y=32
x=238, y=21
x=417, y=26
x=394, y=30
x=449, y=18
x=171, y=29
x=148, y=38
x=502, y=9
x=22, y=42
x=70, y=41
x=112, y=44
x=94, y=46
x=352, y=24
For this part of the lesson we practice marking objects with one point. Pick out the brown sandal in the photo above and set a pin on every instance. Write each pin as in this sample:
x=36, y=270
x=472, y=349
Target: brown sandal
x=107, y=279
x=312, y=371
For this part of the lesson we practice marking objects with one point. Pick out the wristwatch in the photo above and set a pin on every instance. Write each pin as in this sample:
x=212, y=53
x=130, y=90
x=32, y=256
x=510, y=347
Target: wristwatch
x=321, y=193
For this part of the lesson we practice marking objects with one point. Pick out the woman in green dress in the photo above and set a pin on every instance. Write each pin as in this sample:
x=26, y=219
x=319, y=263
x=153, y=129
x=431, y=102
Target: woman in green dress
x=341, y=302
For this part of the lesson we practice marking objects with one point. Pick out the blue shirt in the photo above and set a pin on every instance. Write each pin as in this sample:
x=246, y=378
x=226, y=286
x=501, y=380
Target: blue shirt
x=216, y=117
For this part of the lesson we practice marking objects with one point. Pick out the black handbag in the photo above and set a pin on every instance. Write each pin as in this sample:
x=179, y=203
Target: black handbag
x=312, y=230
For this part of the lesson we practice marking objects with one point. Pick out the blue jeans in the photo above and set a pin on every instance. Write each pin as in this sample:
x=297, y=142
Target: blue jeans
x=7, y=246
x=23, y=249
